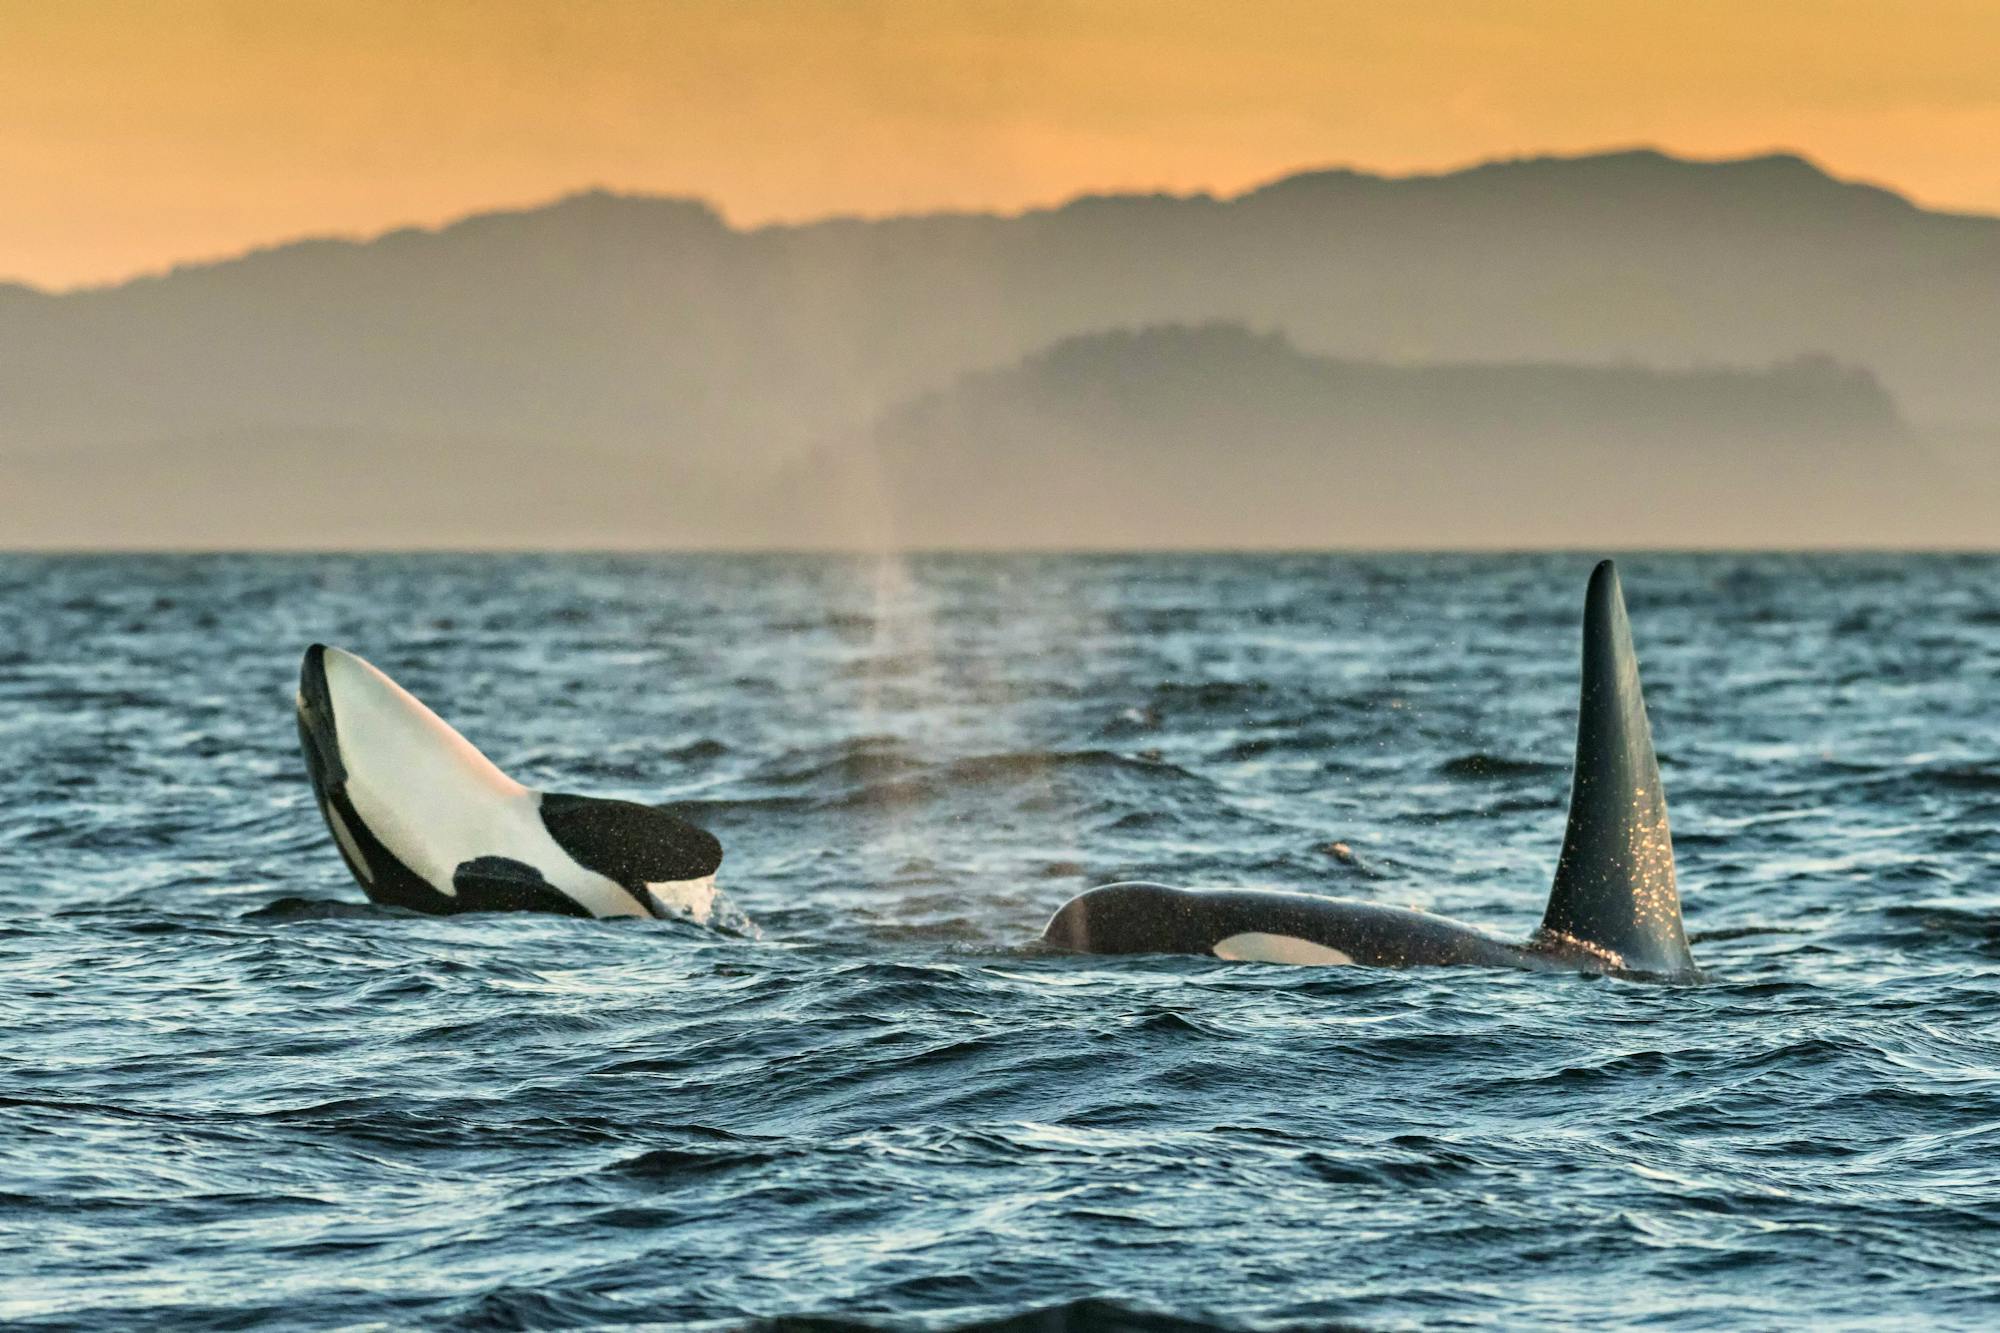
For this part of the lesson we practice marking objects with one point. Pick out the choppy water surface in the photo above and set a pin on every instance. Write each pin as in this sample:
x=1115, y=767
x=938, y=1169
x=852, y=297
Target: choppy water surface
x=226, y=1101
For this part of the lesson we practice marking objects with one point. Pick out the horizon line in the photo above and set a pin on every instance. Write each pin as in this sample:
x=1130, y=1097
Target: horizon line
x=636, y=551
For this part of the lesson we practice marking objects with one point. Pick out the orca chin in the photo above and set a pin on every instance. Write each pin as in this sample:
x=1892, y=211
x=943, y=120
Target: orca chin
x=1615, y=906
x=425, y=821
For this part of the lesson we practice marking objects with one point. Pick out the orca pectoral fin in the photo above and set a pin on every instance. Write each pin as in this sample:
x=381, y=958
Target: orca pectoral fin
x=631, y=843
x=1615, y=888
x=499, y=884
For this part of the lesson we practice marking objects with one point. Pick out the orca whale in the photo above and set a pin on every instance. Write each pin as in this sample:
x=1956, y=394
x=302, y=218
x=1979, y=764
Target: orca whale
x=1614, y=908
x=425, y=821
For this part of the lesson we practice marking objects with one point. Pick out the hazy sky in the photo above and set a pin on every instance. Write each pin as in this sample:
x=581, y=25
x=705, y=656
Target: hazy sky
x=134, y=133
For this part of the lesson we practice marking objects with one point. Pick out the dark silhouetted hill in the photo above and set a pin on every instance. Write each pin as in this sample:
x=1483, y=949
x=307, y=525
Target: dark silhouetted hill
x=1214, y=436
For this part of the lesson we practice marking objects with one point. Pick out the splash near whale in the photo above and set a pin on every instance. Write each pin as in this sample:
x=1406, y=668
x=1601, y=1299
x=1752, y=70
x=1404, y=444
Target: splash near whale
x=1615, y=905
x=425, y=821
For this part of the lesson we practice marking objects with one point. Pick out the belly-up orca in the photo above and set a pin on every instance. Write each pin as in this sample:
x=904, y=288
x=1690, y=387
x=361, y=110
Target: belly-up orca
x=425, y=821
x=1614, y=908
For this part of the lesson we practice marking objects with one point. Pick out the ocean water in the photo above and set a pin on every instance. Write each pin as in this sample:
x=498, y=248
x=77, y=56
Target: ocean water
x=232, y=1095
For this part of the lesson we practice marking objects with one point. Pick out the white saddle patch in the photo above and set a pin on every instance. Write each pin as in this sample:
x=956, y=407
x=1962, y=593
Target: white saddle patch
x=1254, y=946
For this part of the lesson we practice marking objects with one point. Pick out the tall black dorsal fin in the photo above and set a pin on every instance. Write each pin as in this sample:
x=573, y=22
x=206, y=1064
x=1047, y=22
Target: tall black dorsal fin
x=1615, y=885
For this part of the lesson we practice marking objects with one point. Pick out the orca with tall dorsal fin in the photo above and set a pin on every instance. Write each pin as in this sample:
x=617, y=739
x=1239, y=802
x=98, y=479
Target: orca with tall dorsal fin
x=425, y=821
x=1615, y=906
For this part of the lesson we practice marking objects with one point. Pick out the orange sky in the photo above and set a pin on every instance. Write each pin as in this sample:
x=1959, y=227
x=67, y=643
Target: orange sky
x=134, y=133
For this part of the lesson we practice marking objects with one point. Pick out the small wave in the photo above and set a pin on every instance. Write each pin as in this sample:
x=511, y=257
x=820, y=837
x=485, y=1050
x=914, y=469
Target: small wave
x=1010, y=767
x=1088, y=1315
x=1741, y=933
x=1484, y=767
x=891, y=778
x=510, y=1307
x=1965, y=777
x=1937, y=923
x=859, y=760
x=1432, y=1165
x=849, y=623
x=321, y=909
x=684, y=1163
x=1227, y=695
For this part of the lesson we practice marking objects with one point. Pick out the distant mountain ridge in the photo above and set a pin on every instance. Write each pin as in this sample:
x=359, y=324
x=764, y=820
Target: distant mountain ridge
x=1771, y=173
x=646, y=336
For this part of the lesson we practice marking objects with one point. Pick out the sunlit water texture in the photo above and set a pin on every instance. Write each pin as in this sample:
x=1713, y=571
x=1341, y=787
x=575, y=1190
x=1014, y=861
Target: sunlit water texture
x=228, y=1099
